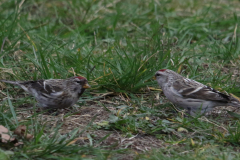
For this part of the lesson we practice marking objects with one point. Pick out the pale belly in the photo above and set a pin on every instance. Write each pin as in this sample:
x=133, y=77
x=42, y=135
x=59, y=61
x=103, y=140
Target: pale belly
x=191, y=105
x=64, y=103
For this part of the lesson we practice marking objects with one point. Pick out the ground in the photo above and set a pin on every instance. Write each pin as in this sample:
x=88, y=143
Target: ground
x=92, y=122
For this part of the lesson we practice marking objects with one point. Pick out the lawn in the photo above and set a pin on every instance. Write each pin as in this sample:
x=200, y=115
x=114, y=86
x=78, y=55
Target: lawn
x=118, y=45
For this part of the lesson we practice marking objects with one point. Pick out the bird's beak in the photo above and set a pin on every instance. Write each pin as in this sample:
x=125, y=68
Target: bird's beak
x=154, y=77
x=85, y=86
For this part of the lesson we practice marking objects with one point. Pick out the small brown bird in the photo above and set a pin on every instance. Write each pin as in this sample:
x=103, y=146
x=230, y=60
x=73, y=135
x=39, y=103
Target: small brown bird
x=191, y=95
x=54, y=93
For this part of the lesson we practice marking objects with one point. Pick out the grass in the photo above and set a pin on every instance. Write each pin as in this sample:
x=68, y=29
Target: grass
x=118, y=46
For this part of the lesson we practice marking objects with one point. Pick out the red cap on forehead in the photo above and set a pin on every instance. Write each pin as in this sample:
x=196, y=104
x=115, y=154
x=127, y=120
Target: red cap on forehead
x=162, y=70
x=80, y=77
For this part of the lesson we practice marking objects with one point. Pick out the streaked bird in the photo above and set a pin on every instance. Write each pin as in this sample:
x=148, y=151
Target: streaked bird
x=54, y=93
x=191, y=95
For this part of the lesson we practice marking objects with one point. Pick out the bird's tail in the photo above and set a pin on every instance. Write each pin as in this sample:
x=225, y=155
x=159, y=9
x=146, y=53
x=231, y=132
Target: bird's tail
x=234, y=101
x=11, y=82
x=19, y=83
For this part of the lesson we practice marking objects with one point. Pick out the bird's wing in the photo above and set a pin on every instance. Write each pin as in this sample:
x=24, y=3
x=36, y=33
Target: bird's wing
x=191, y=89
x=45, y=87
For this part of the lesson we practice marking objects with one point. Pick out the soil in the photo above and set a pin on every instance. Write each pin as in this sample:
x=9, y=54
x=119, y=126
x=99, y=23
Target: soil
x=82, y=117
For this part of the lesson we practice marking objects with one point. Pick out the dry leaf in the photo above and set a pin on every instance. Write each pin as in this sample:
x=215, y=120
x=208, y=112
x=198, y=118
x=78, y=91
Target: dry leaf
x=157, y=96
x=76, y=139
x=18, y=144
x=154, y=89
x=103, y=123
x=7, y=70
x=4, y=136
x=21, y=131
x=192, y=142
x=235, y=97
x=29, y=136
x=6, y=141
x=179, y=69
x=181, y=129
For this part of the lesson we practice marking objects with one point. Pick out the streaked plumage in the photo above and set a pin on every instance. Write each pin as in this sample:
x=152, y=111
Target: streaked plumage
x=54, y=93
x=191, y=95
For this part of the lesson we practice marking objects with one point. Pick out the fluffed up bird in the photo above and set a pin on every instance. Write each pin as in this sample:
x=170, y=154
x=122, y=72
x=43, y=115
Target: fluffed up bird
x=54, y=93
x=191, y=95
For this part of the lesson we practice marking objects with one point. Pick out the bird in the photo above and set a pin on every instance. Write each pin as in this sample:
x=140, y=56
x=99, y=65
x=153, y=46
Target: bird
x=54, y=93
x=191, y=95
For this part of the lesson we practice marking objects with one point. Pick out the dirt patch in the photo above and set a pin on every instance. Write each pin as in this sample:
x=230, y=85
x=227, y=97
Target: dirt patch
x=83, y=116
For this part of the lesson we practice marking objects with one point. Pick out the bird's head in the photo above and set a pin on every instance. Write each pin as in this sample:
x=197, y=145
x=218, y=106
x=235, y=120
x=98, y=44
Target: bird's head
x=77, y=85
x=162, y=76
x=81, y=81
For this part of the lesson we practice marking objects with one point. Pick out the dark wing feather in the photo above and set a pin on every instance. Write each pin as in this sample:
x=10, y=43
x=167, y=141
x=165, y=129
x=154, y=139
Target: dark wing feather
x=196, y=90
x=41, y=86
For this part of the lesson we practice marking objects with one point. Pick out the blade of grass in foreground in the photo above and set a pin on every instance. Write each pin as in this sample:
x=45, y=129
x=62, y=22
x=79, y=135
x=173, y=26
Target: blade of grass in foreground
x=12, y=110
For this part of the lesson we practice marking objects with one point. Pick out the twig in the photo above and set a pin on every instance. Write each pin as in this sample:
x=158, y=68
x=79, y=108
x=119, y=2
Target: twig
x=95, y=38
x=92, y=69
x=74, y=73
x=206, y=120
x=186, y=151
x=235, y=33
x=3, y=44
x=114, y=77
x=28, y=37
x=101, y=77
x=3, y=93
x=147, y=60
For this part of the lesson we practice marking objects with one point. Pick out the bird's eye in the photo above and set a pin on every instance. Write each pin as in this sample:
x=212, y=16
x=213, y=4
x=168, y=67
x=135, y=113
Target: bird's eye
x=157, y=75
